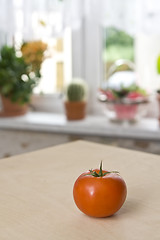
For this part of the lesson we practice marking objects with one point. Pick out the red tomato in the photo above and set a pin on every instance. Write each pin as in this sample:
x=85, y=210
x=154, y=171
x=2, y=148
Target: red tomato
x=99, y=193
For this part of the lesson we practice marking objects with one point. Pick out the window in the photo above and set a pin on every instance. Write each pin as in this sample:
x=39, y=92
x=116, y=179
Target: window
x=86, y=37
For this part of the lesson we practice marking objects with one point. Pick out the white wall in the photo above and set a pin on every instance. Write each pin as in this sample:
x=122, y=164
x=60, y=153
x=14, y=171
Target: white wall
x=147, y=49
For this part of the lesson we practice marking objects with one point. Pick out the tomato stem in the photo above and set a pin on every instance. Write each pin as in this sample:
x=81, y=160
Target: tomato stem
x=100, y=174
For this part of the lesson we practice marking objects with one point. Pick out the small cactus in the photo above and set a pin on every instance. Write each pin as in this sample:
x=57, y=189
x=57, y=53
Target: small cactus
x=76, y=91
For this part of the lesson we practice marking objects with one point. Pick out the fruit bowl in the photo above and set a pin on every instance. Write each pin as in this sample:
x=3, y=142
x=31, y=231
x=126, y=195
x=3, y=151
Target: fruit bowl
x=129, y=108
x=124, y=98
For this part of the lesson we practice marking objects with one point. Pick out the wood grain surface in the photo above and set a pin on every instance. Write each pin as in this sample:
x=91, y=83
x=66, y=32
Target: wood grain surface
x=36, y=201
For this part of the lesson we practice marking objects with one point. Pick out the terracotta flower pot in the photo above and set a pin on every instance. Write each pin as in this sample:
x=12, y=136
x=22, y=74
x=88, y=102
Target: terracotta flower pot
x=10, y=109
x=75, y=110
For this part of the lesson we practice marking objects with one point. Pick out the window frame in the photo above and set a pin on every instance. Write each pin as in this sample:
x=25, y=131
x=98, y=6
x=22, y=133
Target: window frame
x=87, y=45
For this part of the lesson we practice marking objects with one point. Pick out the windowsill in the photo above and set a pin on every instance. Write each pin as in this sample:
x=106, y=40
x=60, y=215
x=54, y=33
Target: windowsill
x=147, y=128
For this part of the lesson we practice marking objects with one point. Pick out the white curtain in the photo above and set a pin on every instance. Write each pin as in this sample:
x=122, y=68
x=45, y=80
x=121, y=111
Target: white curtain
x=33, y=19
x=7, y=21
x=26, y=15
x=133, y=16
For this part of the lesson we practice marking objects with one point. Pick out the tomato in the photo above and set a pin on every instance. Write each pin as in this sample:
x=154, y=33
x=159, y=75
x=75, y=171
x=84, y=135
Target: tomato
x=99, y=193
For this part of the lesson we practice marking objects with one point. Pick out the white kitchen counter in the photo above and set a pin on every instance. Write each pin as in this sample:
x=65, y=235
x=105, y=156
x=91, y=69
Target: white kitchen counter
x=146, y=128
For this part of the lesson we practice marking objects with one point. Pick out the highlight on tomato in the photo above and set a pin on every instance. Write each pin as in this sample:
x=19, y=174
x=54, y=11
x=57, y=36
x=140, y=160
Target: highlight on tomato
x=99, y=193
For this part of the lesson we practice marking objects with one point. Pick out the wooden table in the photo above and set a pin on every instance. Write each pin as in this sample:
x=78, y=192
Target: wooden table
x=36, y=200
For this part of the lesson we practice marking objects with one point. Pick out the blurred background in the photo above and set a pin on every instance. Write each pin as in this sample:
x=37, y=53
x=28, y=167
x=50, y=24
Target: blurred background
x=112, y=46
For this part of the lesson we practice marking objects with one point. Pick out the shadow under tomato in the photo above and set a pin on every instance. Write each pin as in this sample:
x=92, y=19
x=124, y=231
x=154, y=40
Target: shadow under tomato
x=130, y=206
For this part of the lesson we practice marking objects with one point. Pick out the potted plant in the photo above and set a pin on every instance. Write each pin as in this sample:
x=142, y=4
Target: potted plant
x=75, y=103
x=124, y=101
x=16, y=82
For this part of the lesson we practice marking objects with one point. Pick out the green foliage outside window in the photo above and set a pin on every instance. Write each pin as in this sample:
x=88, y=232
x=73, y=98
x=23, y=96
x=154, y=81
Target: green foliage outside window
x=118, y=45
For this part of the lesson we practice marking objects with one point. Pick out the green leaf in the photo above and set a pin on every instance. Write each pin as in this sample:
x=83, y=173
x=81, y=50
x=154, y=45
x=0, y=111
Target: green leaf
x=11, y=70
x=104, y=174
x=110, y=172
x=95, y=174
x=6, y=89
x=158, y=64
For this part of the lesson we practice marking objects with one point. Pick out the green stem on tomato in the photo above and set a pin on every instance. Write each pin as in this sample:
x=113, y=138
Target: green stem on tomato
x=100, y=174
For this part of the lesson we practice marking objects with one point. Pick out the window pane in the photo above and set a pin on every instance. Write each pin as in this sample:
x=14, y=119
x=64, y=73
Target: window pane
x=117, y=45
x=56, y=69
